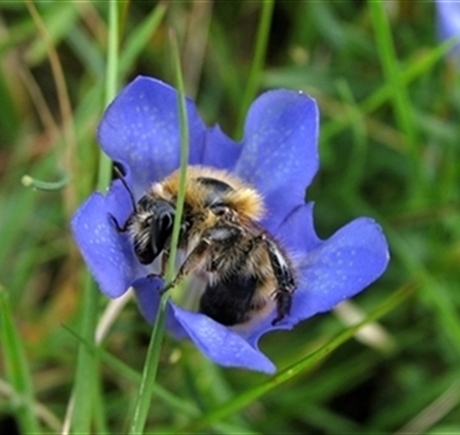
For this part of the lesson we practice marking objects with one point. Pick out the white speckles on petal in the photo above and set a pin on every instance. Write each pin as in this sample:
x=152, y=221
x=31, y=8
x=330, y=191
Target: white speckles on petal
x=279, y=155
x=108, y=254
x=141, y=129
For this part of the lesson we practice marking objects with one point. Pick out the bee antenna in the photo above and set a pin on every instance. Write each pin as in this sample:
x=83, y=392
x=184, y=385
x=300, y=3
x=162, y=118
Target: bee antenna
x=122, y=178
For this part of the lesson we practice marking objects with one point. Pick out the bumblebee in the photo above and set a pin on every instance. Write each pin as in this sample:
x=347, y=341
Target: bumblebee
x=247, y=273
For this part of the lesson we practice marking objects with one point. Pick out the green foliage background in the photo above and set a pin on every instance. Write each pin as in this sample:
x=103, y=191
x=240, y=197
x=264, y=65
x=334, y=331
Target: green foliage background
x=389, y=100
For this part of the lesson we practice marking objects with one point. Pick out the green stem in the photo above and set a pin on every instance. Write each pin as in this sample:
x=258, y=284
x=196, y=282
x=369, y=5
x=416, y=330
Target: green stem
x=29, y=181
x=401, y=101
x=105, y=164
x=150, y=371
x=17, y=369
x=257, y=63
x=85, y=377
x=85, y=374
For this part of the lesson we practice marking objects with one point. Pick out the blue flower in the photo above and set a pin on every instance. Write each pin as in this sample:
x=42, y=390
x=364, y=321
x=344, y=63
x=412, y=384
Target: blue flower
x=448, y=22
x=278, y=157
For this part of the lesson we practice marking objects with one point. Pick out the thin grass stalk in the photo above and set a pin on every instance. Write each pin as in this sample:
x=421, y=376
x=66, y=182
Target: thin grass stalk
x=150, y=371
x=81, y=406
x=258, y=61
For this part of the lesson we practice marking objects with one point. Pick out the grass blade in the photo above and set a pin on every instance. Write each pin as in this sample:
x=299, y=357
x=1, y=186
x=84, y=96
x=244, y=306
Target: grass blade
x=401, y=101
x=85, y=379
x=17, y=370
x=153, y=353
x=140, y=37
x=413, y=71
x=257, y=65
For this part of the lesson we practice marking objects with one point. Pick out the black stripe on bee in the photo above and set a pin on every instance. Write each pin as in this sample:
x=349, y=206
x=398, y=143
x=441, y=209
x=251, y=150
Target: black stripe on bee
x=216, y=192
x=230, y=300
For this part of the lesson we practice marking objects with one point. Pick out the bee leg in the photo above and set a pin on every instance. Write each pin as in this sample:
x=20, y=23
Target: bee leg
x=192, y=262
x=221, y=235
x=284, y=278
x=283, y=304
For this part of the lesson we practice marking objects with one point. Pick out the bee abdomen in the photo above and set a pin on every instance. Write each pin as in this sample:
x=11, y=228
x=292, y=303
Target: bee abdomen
x=229, y=301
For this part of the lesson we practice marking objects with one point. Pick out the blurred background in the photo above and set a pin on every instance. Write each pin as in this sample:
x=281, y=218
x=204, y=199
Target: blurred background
x=389, y=97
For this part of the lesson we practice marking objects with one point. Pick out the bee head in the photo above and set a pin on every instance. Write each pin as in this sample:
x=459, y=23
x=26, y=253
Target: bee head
x=150, y=223
x=151, y=227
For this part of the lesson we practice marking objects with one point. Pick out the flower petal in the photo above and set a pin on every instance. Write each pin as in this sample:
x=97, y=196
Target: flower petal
x=216, y=341
x=297, y=232
x=108, y=253
x=141, y=129
x=221, y=344
x=280, y=155
x=342, y=266
x=220, y=151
